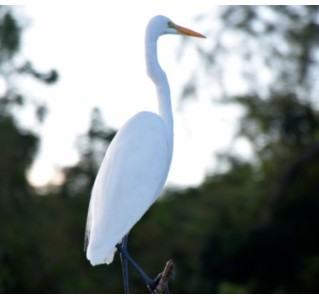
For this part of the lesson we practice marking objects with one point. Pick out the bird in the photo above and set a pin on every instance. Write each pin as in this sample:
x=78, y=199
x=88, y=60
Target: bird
x=135, y=166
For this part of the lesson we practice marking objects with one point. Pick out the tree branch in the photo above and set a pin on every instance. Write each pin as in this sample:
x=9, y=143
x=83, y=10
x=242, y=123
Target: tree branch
x=167, y=274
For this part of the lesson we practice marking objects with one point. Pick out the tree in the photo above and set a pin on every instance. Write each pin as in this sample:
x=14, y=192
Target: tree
x=276, y=49
x=92, y=147
x=18, y=149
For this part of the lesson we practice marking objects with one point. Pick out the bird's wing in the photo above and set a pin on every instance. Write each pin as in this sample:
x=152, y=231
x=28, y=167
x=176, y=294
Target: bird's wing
x=130, y=179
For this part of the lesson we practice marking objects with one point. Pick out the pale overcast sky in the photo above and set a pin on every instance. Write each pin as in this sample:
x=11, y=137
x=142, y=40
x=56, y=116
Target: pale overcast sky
x=99, y=54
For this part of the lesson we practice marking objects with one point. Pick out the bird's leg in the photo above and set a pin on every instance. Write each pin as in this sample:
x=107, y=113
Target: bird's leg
x=150, y=283
x=125, y=266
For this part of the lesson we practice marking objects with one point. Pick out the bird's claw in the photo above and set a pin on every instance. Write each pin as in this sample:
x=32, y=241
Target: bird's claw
x=152, y=286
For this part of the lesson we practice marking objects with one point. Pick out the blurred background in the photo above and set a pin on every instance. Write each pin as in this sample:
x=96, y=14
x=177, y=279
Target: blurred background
x=248, y=225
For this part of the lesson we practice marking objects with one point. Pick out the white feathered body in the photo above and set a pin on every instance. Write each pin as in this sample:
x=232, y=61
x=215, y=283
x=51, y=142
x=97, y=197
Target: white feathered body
x=130, y=179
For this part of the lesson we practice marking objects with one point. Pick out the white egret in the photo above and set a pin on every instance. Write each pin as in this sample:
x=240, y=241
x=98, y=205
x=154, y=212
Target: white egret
x=136, y=164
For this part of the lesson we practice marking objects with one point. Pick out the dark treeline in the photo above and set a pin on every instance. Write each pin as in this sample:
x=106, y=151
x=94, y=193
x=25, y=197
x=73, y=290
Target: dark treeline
x=253, y=228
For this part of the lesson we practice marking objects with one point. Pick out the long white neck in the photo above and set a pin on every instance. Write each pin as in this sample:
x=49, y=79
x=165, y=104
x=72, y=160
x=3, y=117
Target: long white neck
x=158, y=76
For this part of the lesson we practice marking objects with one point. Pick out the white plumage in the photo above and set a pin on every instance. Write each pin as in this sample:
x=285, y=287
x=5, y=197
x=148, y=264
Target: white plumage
x=130, y=179
x=136, y=165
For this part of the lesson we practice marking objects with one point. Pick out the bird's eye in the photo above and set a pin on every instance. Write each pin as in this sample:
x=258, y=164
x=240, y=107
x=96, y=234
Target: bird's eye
x=170, y=24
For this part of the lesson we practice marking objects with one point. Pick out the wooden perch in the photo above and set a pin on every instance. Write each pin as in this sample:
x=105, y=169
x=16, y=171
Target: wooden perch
x=167, y=274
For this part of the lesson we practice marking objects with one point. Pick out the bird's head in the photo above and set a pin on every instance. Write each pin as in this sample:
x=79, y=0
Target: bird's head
x=160, y=25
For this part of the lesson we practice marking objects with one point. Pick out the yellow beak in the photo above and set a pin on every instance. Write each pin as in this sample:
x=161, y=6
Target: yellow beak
x=188, y=32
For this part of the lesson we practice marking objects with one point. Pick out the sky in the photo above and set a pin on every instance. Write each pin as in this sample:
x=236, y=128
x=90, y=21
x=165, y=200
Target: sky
x=98, y=52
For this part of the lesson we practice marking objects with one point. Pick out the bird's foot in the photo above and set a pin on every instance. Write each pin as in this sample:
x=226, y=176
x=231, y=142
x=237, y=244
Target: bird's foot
x=154, y=283
x=160, y=283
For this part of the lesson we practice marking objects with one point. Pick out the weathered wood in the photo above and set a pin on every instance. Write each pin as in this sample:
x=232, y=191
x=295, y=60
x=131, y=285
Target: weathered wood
x=167, y=275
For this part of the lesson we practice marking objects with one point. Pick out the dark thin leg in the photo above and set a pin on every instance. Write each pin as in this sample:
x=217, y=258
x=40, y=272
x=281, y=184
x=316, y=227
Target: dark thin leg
x=150, y=283
x=125, y=266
